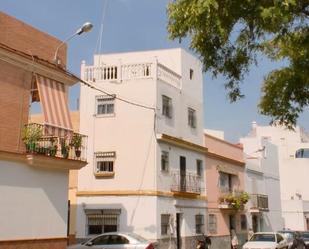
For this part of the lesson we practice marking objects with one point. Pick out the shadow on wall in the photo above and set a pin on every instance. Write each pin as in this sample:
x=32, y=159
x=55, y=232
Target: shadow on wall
x=37, y=192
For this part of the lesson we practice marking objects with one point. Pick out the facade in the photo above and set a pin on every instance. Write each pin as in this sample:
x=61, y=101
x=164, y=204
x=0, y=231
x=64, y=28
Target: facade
x=225, y=169
x=33, y=171
x=73, y=173
x=280, y=158
x=146, y=148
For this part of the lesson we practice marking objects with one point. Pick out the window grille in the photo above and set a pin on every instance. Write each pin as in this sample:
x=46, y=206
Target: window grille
x=191, y=118
x=199, y=167
x=105, y=104
x=165, y=224
x=102, y=220
x=164, y=160
x=104, y=161
x=212, y=223
x=199, y=223
x=166, y=106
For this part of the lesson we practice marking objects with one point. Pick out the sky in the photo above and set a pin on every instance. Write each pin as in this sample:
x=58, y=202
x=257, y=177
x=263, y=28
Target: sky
x=133, y=25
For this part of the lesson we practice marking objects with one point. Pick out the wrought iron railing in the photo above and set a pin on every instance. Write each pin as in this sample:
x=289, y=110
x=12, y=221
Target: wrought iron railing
x=189, y=183
x=259, y=201
x=70, y=146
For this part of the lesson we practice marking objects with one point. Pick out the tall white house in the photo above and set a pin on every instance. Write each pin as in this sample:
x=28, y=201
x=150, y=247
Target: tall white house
x=277, y=171
x=145, y=147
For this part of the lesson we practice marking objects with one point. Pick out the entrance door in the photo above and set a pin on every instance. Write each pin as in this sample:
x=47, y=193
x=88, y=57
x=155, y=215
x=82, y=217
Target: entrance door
x=255, y=223
x=183, y=184
x=178, y=230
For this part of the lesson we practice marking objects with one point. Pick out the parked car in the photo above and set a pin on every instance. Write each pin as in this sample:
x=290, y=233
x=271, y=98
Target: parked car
x=305, y=236
x=266, y=240
x=115, y=240
x=288, y=235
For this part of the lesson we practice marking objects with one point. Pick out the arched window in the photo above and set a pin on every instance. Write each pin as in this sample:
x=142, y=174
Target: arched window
x=302, y=153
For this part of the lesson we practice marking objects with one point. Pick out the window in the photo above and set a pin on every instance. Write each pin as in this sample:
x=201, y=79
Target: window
x=105, y=104
x=117, y=240
x=302, y=153
x=191, y=118
x=212, y=223
x=104, y=161
x=225, y=181
x=102, y=240
x=102, y=221
x=191, y=73
x=279, y=238
x=165, y=224
x=166, y=106
x=243, y=222
x=199, y=167
x=164, y=160
x=199, y=223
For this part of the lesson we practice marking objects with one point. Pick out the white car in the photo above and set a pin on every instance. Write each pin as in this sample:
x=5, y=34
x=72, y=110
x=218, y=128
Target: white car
x=115, y=240
x=267, y=240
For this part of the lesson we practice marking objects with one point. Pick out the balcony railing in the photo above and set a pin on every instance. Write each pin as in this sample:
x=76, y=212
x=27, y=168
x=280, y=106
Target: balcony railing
x=259, y=202
x=71, y=146
x=186, y=183
x=131, y=71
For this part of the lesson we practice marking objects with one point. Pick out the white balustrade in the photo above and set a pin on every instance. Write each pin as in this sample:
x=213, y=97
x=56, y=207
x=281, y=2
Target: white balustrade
x=167, y=75
x=130, y=72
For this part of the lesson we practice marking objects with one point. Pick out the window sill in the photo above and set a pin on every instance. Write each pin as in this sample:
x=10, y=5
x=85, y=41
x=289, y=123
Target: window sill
x=104, y=174
x=105, y=115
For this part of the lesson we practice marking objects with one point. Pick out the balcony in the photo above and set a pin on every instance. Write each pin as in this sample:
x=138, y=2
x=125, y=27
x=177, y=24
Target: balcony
x=186, y=183
x=133, y=71
x=258, y=203
x=233, y=200
x=43, y=147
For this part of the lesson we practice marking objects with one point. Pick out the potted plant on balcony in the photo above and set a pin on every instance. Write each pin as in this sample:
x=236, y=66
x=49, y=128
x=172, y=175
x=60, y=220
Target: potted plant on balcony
x=76, y=142
x=65, y=148
x=53, y=147
x=236, y=201
x=31, y=134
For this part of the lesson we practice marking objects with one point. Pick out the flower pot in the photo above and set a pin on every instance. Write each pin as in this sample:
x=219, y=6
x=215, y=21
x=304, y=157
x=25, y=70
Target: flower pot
x=78, y=153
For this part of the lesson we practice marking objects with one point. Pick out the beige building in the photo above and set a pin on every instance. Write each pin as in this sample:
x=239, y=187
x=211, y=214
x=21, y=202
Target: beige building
x=225, y=168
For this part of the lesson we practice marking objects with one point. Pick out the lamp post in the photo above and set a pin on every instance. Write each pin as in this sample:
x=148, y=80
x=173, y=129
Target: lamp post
x=83, y=29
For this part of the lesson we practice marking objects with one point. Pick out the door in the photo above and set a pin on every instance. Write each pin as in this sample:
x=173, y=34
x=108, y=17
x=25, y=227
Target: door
x=178, y=230
x=255, y=223
x=183, y=183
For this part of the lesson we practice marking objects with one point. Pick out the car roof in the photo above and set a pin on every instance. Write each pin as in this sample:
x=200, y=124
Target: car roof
x=265, y=233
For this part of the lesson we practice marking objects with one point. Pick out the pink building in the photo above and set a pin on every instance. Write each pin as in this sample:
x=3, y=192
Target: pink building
x=225, y=168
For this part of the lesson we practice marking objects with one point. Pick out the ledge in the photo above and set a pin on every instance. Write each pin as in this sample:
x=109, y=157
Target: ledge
x=54, y=162
x=181, y=143
x=104, y=174
x=42, y=161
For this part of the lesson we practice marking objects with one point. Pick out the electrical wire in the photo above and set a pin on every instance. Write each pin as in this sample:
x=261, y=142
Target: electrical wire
x=115, y=96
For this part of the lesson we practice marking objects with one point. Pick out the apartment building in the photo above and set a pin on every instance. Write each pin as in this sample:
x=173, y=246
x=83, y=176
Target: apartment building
x=34, y=169
x=146, y=148
x=280, y=159
x=226, y=196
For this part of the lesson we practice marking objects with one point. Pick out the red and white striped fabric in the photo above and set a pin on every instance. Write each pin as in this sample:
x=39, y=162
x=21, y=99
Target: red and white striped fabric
x=53, y=96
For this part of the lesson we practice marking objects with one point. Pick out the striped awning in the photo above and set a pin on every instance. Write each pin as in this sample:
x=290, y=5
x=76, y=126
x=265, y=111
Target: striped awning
x=53, y=97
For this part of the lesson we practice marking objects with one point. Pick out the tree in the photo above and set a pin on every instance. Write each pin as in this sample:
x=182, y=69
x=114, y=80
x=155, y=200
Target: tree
x=229, y=35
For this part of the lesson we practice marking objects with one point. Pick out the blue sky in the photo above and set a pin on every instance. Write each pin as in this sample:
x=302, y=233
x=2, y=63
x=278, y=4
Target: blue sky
x=140, y=25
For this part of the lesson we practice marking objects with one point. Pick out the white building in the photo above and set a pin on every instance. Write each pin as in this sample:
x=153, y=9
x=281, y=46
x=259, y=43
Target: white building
x=277, y=168
x=146, y=149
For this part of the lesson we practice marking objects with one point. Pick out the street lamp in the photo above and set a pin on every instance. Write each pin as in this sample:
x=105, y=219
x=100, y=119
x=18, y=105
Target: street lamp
x=83, y=29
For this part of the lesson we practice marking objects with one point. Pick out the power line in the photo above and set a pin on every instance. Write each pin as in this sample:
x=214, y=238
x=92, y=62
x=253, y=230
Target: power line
x=115, y=96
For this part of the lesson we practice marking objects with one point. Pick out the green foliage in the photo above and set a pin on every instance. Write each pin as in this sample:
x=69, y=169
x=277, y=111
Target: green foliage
x=31, y=133
x=236, y=200
x=229, y=34
x=76, y=141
